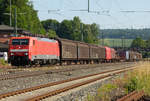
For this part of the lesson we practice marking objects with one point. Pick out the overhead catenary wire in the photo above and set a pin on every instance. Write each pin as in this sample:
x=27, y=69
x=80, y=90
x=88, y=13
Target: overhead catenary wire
x=66, y=5
x=135, y=11
x=129, y=19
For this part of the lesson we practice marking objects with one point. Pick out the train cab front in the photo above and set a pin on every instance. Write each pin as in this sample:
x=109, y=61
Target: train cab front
x=19, y=51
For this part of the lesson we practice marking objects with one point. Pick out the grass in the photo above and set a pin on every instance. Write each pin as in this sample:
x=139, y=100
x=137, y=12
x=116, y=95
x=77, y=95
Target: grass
x=138, y=79
x=2, y=62
x=105, y=90
x=117, y=42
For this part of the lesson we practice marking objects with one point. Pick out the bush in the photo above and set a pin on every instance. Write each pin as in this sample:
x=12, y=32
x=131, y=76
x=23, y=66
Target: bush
x=132, y=85
x=139, y=79
x=105, y=90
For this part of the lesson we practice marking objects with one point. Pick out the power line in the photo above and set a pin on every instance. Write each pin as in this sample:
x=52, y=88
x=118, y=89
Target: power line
x=132, y=11
x=129, y=19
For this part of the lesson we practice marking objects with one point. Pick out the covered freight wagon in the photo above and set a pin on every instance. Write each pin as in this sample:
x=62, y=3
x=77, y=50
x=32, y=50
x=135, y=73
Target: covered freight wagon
x=102, y=52
x=68, y=49
x=83, y=51
x=129, y=55
x=94, y=52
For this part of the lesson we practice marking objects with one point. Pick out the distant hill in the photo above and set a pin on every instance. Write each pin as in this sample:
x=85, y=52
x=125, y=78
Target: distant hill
x=125, y=33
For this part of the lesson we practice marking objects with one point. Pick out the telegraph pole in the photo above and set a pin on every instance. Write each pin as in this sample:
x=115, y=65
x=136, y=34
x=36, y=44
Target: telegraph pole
x=123, y=42
x=113, y=43
x=88, y=5
x=102, y=39
x=15, y=21
x=10, y=13
x=81, y=27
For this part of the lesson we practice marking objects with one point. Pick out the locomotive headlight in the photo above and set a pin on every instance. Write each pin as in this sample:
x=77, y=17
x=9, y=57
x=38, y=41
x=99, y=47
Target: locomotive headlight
x=25, y=53
x=12, y=54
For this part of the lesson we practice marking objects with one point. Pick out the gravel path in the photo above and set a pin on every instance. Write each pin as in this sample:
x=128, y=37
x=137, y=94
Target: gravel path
x=21, y=83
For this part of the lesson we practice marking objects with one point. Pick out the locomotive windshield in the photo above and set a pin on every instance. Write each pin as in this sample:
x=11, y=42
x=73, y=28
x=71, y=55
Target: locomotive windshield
x=20, y=42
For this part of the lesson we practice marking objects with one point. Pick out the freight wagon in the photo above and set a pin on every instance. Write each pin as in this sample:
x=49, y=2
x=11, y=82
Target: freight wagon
x=80, y=52
x=129, y=55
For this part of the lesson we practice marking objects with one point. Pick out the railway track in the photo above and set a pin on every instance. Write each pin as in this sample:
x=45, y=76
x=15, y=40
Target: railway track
x=51, y=89
x=24, y=74
x=133, y=96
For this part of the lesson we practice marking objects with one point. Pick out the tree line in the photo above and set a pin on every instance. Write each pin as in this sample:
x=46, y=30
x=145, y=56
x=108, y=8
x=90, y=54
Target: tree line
x=126, y=33
x=140, y=43
x=72, y=29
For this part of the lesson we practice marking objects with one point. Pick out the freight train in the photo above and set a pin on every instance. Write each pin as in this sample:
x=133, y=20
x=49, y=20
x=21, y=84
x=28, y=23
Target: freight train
x=129, y=55
x=35, y=50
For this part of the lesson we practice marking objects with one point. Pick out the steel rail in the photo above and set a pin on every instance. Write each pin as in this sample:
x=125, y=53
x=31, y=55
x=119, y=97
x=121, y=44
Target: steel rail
x=53, y=83
x=133, y=96
x=58, y=91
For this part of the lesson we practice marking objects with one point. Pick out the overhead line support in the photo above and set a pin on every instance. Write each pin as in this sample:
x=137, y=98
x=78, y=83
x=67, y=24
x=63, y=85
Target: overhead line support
x=88, y=5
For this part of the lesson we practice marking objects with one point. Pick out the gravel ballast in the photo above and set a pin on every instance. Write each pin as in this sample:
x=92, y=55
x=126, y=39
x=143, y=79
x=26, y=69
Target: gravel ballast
x=22, y=83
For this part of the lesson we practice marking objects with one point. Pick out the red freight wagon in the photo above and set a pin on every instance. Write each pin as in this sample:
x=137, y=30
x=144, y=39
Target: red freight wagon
x=24, y=50
x=108, y=53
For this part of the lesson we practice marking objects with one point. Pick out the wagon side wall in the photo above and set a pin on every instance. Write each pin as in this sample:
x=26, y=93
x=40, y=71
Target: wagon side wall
x=83, y=51
x=102, y=53
x=94, y=52
x=68, y=50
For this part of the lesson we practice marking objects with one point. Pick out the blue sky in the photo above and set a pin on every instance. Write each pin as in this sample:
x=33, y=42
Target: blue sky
x=112, y=19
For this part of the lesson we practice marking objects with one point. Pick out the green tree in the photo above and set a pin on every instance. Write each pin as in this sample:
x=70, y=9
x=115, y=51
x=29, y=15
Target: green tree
x=51, y=24
x=95, y=32
x=65, y=29
x=138, y=43
x=73, y=29
x=28, y=20
x=88, y=38
x=91, y=33
x=148, y=43
x=51, y=33
x=76, y=35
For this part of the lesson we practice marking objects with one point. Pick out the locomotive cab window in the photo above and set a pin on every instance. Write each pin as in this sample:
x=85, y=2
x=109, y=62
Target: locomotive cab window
x=20, y=42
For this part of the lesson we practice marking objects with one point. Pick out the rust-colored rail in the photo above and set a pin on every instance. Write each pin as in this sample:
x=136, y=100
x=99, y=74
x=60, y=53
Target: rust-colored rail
x=55, y=92
x=53, y=83
x=133, y=96
x=6, y=77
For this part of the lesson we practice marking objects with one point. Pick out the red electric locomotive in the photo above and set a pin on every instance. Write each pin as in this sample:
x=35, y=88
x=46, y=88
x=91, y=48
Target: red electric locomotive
x=27, y=50
x=110, y=54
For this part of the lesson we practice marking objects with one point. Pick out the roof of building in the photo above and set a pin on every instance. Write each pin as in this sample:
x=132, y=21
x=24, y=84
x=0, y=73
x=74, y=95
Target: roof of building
x=5, y=27
x=3, y=40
